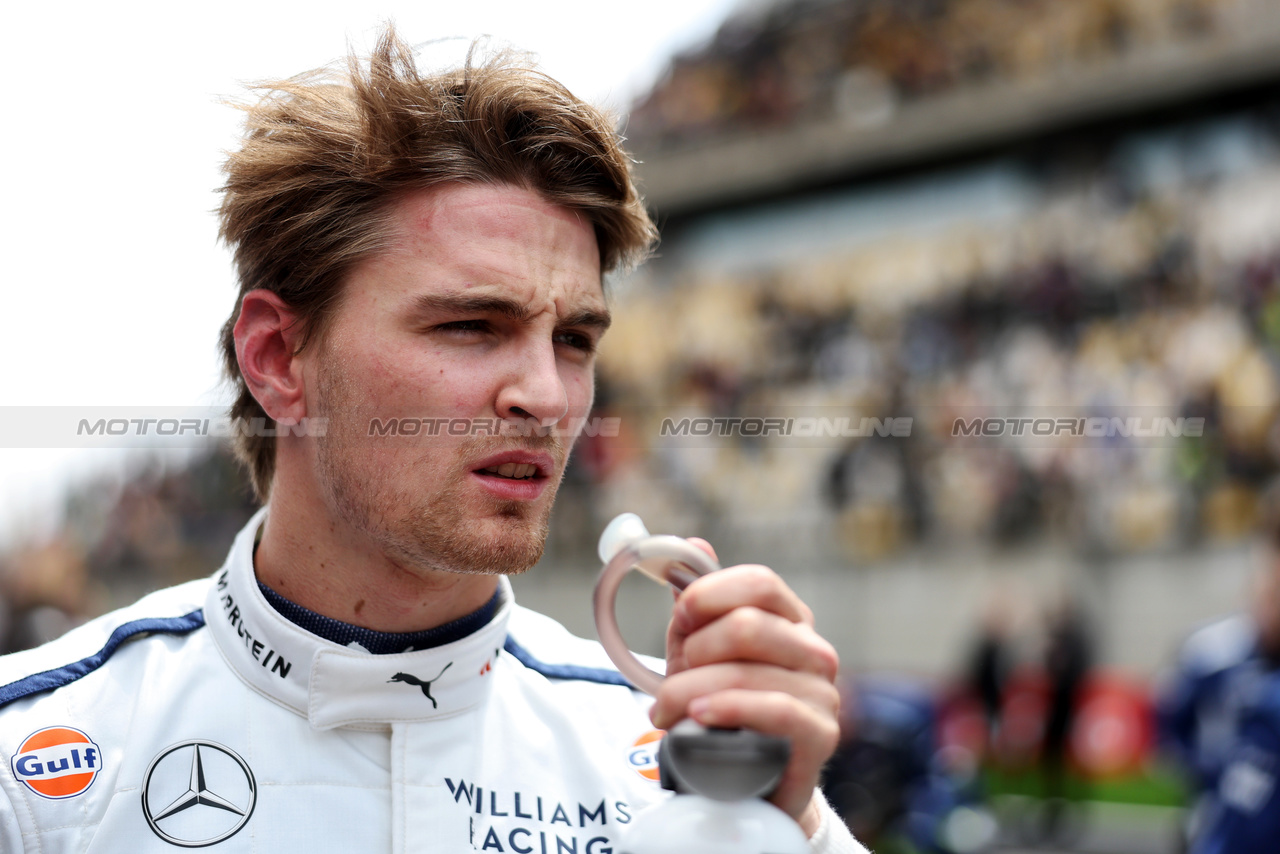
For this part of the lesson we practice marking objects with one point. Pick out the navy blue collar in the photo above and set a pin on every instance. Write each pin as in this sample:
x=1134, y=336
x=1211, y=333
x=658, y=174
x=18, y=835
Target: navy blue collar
x=381, y=643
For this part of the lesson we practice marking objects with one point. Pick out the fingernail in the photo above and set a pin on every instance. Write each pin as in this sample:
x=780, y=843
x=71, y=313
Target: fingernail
x=700, y=710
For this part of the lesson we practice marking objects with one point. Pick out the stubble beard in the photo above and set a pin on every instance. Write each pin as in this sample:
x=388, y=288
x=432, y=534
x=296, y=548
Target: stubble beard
x=377, y=486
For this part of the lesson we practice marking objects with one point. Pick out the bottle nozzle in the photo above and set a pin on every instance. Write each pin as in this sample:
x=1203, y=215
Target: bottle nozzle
x=625, y=529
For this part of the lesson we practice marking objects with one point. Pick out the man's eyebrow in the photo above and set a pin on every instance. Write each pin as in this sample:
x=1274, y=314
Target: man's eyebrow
x=589, y=318
x=508, y=308
x=470, y=304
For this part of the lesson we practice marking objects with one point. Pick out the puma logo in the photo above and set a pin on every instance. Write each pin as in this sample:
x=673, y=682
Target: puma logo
x=410, y=679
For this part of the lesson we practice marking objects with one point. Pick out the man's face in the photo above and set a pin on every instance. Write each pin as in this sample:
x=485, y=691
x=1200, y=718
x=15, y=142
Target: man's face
x=487, y=306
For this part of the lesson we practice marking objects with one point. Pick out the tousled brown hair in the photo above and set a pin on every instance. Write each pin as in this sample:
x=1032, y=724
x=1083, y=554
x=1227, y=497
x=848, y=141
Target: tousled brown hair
x=326, y=153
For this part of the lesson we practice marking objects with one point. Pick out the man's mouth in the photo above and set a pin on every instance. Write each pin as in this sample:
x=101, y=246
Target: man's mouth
x=516, y=464
x=516, y=475
x=514, y=471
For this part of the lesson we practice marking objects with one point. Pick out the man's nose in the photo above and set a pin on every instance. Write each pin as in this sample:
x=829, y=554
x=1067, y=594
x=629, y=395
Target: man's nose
x=533, y=386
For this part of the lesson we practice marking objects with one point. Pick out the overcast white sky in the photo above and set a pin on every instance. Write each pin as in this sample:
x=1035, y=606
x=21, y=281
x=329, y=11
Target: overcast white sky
x=115, y=286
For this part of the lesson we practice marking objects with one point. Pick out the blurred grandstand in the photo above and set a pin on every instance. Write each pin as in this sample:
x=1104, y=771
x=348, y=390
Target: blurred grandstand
x=934, y=210
x=791, y=93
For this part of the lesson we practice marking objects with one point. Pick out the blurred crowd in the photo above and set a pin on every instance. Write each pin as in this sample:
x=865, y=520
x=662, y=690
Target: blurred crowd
x=1141, y=280
x=856, y=60
x=122, y=537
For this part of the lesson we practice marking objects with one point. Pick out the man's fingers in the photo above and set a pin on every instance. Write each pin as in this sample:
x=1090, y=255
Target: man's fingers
x=715, y=595
x=672, y=703
x=750, y=634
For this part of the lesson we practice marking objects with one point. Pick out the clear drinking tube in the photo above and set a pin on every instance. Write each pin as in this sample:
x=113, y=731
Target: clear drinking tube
x=625, y=545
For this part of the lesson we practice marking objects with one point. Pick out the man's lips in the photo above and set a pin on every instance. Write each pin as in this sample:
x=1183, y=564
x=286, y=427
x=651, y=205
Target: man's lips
x=515, y=475
x=521, y=464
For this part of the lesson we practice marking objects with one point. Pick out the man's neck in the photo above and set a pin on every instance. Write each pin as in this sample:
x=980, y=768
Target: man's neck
x=320, y=564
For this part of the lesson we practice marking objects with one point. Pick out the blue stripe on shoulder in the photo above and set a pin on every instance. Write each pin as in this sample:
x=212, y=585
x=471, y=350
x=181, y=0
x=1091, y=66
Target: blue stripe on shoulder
x=564, y=671
x=65, y=675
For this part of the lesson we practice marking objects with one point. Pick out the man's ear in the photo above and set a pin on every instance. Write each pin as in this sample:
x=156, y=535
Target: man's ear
x=267, y=334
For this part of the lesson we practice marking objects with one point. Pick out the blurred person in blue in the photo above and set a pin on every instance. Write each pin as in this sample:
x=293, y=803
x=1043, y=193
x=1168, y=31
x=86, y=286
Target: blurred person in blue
x=896, y=785
x=1218, y=714
x=426, y=249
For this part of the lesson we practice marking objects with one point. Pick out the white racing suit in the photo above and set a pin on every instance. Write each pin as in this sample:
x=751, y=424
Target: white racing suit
x=201, y=717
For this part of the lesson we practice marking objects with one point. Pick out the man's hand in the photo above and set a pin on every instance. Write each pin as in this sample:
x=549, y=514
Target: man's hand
x=742, y=653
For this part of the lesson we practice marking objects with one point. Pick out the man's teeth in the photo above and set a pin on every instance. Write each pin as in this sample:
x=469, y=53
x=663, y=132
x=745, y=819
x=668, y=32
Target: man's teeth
x=515, y=470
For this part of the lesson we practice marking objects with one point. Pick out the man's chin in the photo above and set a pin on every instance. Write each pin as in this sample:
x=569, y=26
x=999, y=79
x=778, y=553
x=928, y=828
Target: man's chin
x=506, y=543
x=518, y=543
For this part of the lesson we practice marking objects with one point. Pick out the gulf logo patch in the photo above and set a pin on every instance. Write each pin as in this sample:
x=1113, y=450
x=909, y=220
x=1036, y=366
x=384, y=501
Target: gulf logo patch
x=643, y=755
x=57, y=762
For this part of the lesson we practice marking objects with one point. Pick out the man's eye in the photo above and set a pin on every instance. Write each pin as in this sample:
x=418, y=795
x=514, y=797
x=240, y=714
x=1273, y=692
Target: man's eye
x=577, y=341
x=463, y=326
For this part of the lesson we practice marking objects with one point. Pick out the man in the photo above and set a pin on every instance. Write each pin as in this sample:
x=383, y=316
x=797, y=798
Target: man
x=357, y=676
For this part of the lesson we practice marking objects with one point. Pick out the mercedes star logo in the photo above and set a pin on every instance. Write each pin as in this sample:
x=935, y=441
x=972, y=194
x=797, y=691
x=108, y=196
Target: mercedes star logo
x=198, y=793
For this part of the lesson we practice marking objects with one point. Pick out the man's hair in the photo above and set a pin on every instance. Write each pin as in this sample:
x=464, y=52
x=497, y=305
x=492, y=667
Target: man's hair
x=327, y=153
